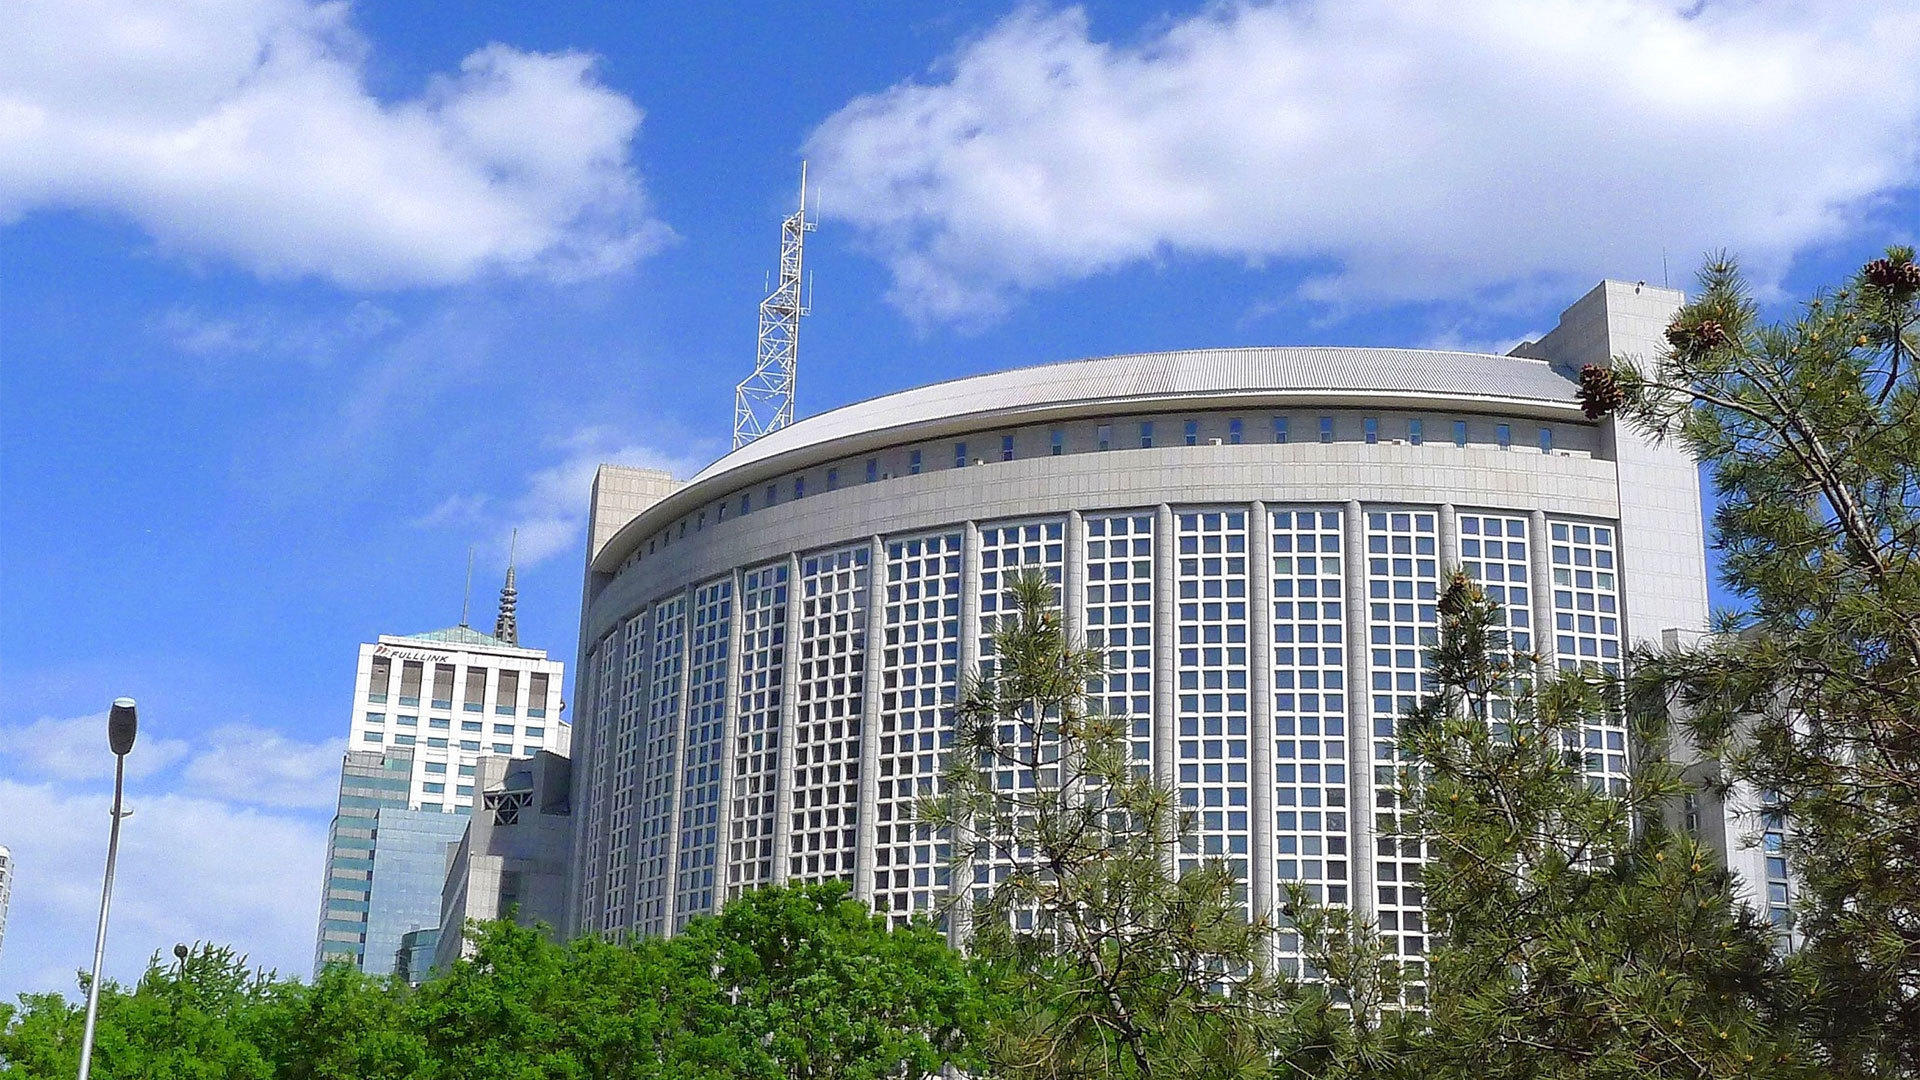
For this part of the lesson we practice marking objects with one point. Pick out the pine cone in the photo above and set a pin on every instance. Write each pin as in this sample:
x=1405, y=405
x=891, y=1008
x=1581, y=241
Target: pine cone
x=1903, y=277
x=1600, y=392
x=1703, y=335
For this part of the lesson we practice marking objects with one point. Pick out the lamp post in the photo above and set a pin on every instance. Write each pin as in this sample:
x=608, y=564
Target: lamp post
x=123, y=723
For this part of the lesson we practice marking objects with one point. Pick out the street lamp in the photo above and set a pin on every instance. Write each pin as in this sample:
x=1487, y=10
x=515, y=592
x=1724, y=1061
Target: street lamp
x=123, y=722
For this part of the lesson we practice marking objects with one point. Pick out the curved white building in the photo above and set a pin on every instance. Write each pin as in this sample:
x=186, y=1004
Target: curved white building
x=769, y=652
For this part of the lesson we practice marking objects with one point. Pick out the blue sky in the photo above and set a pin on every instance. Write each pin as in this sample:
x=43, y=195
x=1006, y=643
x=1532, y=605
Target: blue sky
x=299, y=301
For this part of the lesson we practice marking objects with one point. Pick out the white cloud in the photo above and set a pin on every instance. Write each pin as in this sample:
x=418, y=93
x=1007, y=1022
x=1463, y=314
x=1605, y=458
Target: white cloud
x=550, y=514
x=190, y=870
x=245, y=129
x=1424, y=150
x=75, y=748
x=247, y=764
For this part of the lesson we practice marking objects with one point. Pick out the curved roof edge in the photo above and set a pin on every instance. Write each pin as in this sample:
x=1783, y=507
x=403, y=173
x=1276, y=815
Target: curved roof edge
x=1330, y=375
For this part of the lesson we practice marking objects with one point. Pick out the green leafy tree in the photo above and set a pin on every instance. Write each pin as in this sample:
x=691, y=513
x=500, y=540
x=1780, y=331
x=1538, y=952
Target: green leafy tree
x=1572, y=935
x=1129, y=968
x=1811, y=691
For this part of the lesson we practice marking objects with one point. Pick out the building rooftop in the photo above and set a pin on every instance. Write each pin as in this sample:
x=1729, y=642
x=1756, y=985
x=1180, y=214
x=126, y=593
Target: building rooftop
x=460, y=635
x=1192, y=376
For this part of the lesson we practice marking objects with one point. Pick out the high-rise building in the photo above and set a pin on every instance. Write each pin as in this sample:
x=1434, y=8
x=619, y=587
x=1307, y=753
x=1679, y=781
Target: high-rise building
x=1257, y=537
x=6, y=890
x=427, y=709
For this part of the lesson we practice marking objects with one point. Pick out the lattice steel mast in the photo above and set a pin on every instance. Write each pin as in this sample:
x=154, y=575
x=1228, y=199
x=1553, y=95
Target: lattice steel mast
x=763, y=401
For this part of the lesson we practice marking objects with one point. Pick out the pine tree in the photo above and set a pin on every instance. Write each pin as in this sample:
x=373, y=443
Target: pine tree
x=1572, y=935
x=1114, y=964
x=1811, y=692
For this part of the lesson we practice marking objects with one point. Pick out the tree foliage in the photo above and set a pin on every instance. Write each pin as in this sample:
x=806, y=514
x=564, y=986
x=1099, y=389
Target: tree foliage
x=1113, y=962
x=794, y=982
x=1811, y=691
x=1574, y=936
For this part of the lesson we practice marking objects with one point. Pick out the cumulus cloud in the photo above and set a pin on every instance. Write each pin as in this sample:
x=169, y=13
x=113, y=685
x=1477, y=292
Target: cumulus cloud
x=246, y=764
x=190, y=869
x=245, y=130
x=75, y=748
x=1422, y=150
x=550, y=512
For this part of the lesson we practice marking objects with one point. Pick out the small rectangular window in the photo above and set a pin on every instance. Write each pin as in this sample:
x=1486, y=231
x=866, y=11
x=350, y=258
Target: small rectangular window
x=470, y=744
x=1371, y=425
x=1104, y=436
x=913, y=463
x=959, y=455
x=372, y=736
x=410, y=675
x=438, y=742
x=537, y=694
x=376, y=718
x=1193, y=432
x=466, y=770
x=833, y=479
x=403, y=739
x=475, y=699
x=1059, y=438
x=1416, y=432
x=799, y=487
x=722, y=515
x=432, y=788
x=439, y=767
x=439, y=722
x=1459, y=433
x=503, y=748
x=773, y=494
x=873, y=470
x=1279, y=429
x=377, y=682
x=1326, y=429
x=1235, y=432
x=746, y=503
x=405, y=720
x=1006, y=448
x=471, y=725
x=443, y=686
x=1146, y=434
x=1546, y=440
x=1504, y=434
x=507, y=699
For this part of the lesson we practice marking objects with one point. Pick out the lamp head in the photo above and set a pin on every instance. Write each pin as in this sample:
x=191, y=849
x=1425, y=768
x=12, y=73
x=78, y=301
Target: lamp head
x=122, y=724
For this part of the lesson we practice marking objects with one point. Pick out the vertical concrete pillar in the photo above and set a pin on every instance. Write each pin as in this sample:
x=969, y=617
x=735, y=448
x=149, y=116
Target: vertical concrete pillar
x=1362, y=838
x=866, y=824
x=1260, y=720
x=789, y=719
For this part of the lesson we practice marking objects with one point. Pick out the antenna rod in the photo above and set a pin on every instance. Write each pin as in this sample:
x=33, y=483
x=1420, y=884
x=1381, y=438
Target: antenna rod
x=466, y=598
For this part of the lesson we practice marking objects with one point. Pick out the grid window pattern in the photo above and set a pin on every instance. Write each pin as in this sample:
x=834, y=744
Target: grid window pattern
x=1307, y=591
x=626, y=770
x=1586, y=634
x=604, y=664
x=756, y=740
x=1119, y=559
x=827, y=717
x=700, y=764
x=654, y=816
x=1494, y=552
x=1211, y=671
x=1402, y=621
x=920, y=671
x=1006, y=551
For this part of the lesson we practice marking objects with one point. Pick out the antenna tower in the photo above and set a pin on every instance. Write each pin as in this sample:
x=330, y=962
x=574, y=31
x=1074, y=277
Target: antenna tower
x=763, y=401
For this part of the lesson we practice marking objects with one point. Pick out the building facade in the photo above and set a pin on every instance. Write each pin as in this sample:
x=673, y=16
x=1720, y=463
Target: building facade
x=1257, y=536
x=6, y=891
x=514, y=859
x=428, y=708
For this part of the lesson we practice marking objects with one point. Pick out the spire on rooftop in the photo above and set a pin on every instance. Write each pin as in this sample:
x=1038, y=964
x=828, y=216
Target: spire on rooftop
x=506, y=627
